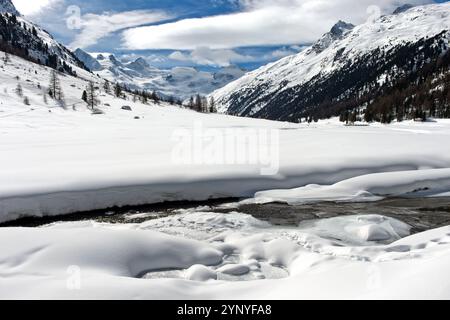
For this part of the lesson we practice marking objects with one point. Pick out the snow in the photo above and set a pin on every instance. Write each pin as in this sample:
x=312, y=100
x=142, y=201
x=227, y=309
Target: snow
x=234, y=269
x=371, y=187
x=180, y=82
x=87, y=260
x=8, y=6
x=384, y=33
x=69, y=160
x=200, y=273
x=359, y=230
x=57, y=161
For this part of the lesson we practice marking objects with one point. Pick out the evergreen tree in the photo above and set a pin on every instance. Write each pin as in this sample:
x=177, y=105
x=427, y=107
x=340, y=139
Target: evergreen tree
x=155, y=97
x=117, y=90
x=198, y=103
x=19, y=90
x=55, y=90
x=204, y=108
x=212, y=105
x=191, y=103
x=84, y=96
x=144, y=97
x=91, y=95
x=107, y=87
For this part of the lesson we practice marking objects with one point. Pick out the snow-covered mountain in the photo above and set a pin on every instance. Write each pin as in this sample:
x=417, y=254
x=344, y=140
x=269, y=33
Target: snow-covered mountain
x=181, y=82
x=6, y=6
x=23, y=38
x=345, y=64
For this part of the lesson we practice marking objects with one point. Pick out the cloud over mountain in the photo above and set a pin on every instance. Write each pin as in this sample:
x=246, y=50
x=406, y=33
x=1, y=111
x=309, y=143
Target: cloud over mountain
x=258, y=23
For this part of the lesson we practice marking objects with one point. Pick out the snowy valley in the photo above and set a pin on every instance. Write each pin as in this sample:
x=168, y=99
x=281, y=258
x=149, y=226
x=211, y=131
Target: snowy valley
x=97, y=163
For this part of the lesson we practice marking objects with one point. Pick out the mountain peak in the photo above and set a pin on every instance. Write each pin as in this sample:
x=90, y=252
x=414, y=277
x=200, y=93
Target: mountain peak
x=341, y=27
x=6, y=6
x=403, y=8
x=142, y=62
x=336, y=32
x=341, y=67
x=87, y=59
x=114, y=60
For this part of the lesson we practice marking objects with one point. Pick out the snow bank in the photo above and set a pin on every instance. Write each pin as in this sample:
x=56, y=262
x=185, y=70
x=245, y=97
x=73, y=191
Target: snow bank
x=358, y=230
x=366, y=188
x=88, y=260
x=127, y=253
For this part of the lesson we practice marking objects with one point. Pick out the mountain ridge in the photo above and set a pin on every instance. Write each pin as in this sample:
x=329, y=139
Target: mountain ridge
x=26, y=39
x=6, y=6
x=180, y=82
x=295, y=86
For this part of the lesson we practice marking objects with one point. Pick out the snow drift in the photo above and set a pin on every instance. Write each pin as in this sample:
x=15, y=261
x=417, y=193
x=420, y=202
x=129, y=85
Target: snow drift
x=244, y=259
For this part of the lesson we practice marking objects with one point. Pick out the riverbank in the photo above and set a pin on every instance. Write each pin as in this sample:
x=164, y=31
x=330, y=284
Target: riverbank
x=73, y=162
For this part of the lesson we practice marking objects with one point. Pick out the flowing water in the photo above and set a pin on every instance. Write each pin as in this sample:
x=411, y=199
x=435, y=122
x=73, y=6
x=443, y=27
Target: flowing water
x=421, y=214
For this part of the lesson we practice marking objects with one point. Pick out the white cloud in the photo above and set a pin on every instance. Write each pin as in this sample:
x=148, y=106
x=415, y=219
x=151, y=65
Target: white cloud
x=281, y=53
x=97, y=26
x=207, y=56
x=260, y=22
x=27, y=7
x=179, y=56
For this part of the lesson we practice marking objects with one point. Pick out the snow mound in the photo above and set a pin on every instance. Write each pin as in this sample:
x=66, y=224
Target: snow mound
x=200, y=273
x=358, y=230
x=366, y=188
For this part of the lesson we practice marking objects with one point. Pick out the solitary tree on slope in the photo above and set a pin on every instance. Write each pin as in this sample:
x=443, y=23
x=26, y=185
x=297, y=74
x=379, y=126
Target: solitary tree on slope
x=55, y=90
x=117, y=90
x=107, y=87
x=6, y=58
x=84, y=96
x=91, y=95
x=19, y=90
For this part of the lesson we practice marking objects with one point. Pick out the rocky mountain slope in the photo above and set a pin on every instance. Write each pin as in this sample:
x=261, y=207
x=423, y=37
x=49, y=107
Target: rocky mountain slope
x=23, y=38
x=6, y=6
x=344, y=65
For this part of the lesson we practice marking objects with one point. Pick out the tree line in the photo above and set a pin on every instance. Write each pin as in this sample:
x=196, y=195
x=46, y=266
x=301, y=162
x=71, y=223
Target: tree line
x=201, y=103
x=418, y=96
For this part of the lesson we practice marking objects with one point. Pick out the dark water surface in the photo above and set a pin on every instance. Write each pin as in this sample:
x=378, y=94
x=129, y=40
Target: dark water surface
x=421, y=214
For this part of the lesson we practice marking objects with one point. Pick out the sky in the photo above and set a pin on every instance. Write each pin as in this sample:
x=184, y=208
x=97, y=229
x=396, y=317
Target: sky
x=206, y=34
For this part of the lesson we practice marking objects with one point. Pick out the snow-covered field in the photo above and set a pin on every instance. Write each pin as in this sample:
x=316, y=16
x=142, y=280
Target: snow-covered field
x=56, y=161
x=201, y=255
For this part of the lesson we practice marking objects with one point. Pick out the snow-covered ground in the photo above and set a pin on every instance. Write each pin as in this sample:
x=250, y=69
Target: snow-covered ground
x=203, y=255
x=55, y=161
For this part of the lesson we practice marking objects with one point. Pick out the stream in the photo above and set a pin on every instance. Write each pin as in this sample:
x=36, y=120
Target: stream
x=421, y=214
